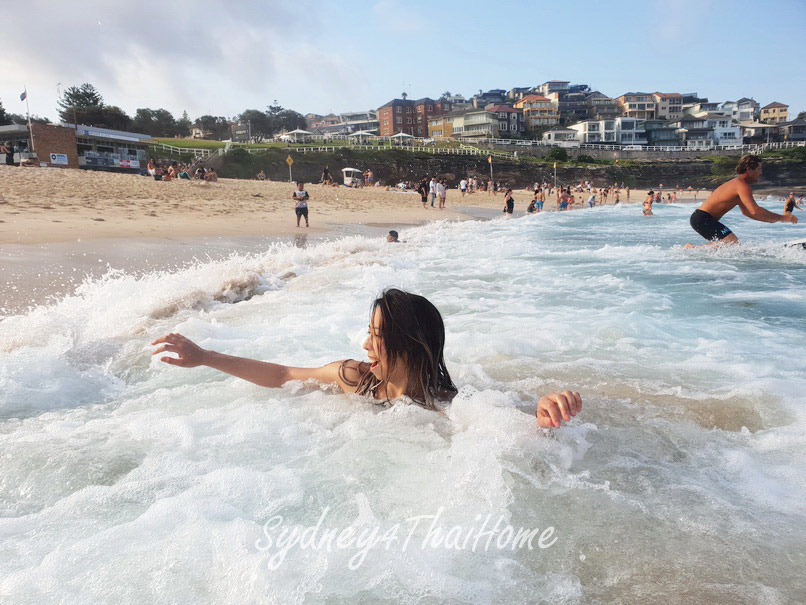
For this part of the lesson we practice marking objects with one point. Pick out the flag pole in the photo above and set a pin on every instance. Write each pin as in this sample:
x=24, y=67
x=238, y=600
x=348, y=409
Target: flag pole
x=28, y=114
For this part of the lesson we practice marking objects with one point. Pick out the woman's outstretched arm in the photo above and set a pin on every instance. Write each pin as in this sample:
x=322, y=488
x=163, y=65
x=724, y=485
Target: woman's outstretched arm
x=263, y=373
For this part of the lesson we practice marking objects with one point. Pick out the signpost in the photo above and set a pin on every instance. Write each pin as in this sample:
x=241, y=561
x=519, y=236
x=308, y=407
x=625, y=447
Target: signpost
x=289, y=160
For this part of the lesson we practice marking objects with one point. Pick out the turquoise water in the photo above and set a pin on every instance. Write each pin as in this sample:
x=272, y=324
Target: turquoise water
x=126, y=480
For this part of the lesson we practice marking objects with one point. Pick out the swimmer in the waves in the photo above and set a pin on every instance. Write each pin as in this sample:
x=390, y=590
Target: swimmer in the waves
x=791, y=203
x=736, y=192
x=404, y=345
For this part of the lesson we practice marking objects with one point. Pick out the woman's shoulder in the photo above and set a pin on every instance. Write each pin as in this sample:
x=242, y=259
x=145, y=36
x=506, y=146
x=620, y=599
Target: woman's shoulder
x=352, y=371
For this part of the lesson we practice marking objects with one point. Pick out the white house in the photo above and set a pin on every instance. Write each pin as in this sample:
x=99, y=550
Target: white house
x=561, y=137
x=724, y=130
x=618, y=131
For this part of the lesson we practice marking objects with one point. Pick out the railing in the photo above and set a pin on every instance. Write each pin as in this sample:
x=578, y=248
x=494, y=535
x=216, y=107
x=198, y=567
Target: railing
x=185, y=150
x=432, y=146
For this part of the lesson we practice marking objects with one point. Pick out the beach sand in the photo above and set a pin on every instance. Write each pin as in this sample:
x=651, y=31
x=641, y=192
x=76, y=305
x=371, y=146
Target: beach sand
x=55, y=205
x=60, y=227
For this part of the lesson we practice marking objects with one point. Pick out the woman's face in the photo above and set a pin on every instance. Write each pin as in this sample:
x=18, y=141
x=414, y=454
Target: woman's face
x=376, y=351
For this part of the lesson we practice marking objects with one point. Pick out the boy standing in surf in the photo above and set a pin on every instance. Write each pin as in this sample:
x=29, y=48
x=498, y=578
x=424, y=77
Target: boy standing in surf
x=736, y=192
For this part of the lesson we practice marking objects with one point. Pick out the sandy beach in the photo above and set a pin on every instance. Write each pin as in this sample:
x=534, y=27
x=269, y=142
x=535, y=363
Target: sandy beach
x=59, y=228
x=51, y=205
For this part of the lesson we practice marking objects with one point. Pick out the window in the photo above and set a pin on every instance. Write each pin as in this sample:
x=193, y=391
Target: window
x=398, y=120
x=627, y=126
x=408, y=109
x=399, y=109
x=408, y=120
x=514, y=127
x=430, y=108
x=502, y=115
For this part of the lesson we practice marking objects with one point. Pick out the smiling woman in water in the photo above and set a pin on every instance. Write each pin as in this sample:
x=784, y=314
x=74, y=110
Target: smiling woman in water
x=404, y=345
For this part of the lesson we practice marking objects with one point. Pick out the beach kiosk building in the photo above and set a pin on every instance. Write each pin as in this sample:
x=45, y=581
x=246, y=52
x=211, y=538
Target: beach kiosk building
x=70, y=146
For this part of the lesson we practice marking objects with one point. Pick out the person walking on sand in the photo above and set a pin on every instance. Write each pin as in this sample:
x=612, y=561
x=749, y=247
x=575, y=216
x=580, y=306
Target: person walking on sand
x=736, y=192
x=463, y=186
x=432, y=189
x=301, y=197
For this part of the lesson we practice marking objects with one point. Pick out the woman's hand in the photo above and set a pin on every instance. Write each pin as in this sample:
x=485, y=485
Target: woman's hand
x=553, y=408
x=190, y=354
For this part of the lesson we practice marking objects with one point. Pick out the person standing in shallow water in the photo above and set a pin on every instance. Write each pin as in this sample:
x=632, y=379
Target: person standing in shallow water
x=404, y=345
x=301, y=197
x=736, y=192
x=509, y=203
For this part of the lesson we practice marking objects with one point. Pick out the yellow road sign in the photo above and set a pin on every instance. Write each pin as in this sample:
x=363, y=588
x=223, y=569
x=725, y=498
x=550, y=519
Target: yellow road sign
x=289, y=160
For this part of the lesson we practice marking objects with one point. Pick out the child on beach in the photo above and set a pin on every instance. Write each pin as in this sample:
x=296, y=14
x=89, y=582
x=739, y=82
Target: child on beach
x=300, y=197
x=404, y=345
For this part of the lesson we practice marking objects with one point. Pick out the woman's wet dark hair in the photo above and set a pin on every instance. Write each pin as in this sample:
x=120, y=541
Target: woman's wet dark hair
x=412, y=330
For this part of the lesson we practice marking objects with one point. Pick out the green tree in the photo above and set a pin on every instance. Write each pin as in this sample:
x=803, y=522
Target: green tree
x=84, y=102
x=4, y=119
x=183, y=125
x=85, y=105
x=283, y=119
x=259, y=122
x=215, y=126
x=155, y=122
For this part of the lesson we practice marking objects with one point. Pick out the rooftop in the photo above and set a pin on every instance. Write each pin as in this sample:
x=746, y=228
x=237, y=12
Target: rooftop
x=775, y=104
x=534, y=98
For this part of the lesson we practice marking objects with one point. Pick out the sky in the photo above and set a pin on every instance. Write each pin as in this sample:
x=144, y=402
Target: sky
x=222, y=57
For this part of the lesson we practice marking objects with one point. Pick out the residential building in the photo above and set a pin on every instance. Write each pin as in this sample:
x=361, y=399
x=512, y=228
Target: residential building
x=477, y=123
x=496, y=96
x=517, y=93
x=510, y=120
x=442, y=126
x=757, y=132
x=618, y=131
x=424, y=109
x=397, y=116
x=638, y=105
x=661, y=133
x=546, y=88
x=724, y=130
x=601, y=107
x=668, y=105
x=794, y=130
x=749, y=109
x=694, y=132
x=561, y=137
x=700, y=108
x=538, y=112
x=775, y=113
x=471, y=122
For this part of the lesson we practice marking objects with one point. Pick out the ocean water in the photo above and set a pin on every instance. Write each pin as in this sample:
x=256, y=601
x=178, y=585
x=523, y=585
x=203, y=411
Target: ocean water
x=124, y=480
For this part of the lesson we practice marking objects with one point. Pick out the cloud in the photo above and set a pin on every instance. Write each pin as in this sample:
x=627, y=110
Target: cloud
x=213, y=57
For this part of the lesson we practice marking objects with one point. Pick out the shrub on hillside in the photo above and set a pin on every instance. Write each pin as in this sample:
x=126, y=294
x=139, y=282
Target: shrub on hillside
x=557, y=154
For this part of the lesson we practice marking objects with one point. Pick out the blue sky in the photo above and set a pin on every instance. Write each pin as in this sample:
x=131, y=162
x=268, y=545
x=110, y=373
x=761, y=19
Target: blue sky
x=222, y=57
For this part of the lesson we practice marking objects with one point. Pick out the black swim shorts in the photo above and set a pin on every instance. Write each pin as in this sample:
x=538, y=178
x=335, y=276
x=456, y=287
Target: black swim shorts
x=707, y=226
x=302, y=212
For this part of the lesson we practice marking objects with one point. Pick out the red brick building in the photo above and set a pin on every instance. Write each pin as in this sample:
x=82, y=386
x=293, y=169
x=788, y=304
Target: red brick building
x=411, y=117
x=55, y=145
